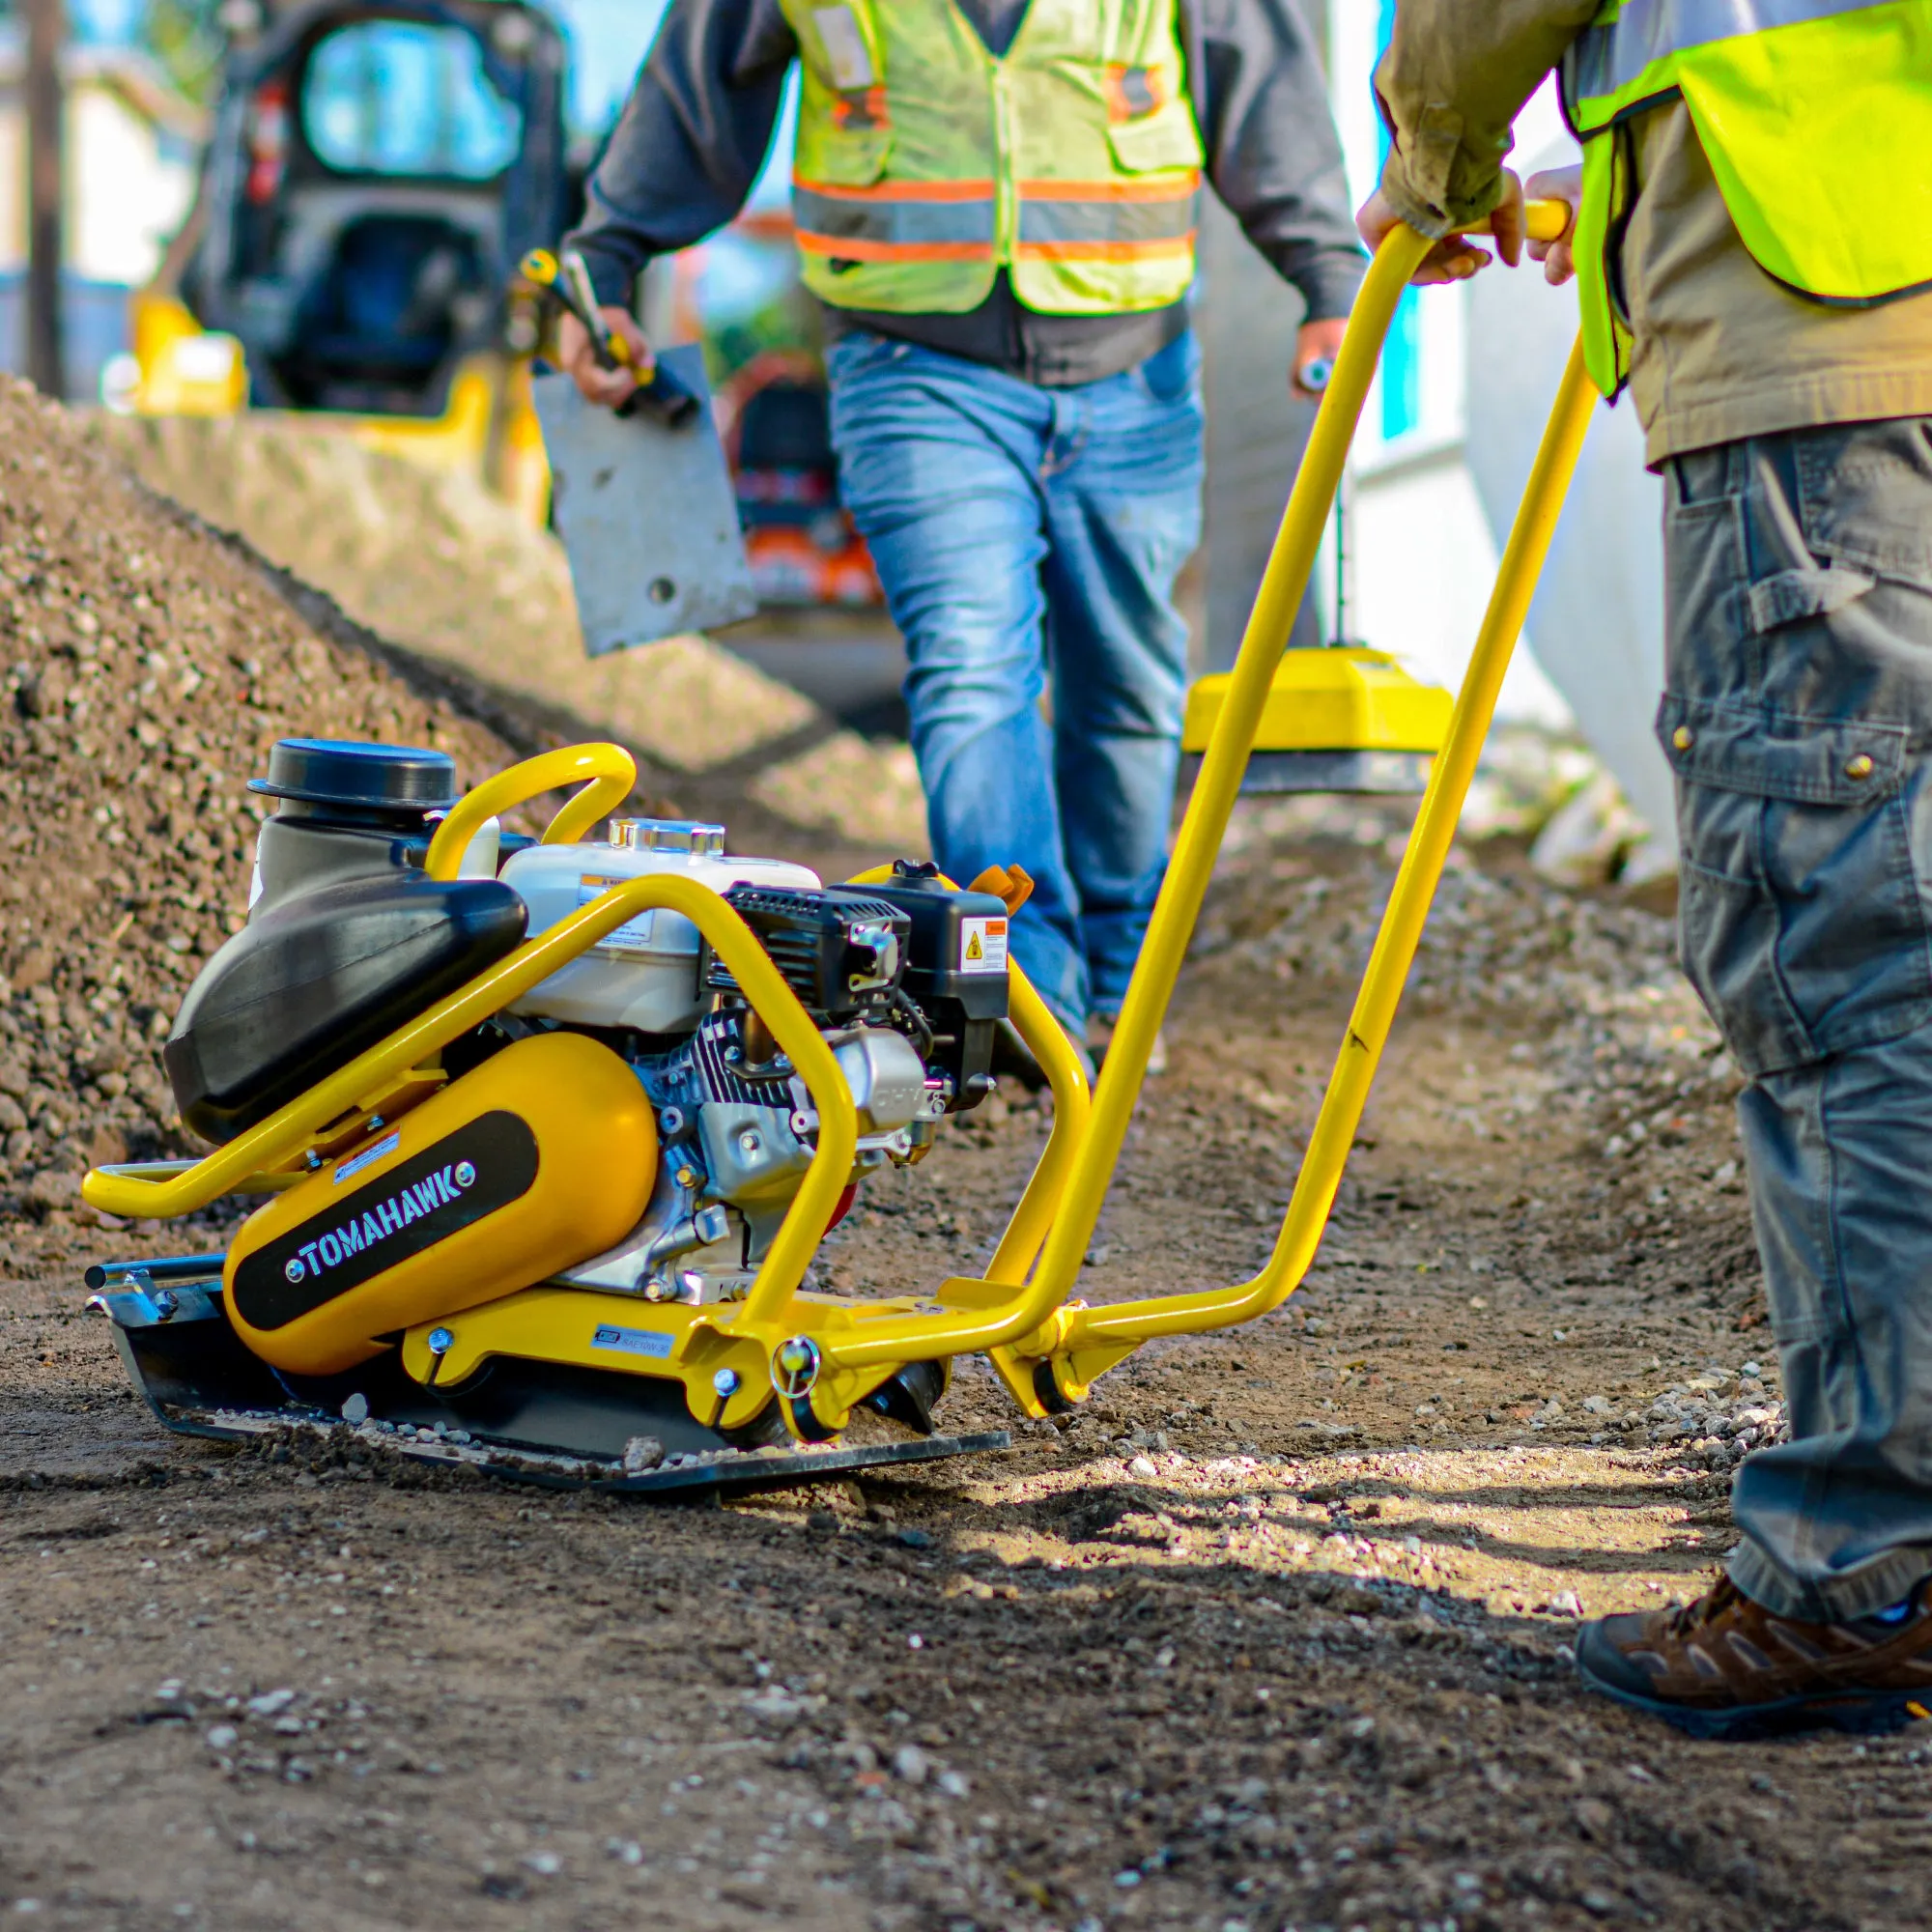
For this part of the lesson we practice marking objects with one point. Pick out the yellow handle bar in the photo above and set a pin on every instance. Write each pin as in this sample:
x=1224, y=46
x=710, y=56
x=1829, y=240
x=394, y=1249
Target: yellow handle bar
x=611, y=772
x=1541, y=222
x=1205, y=823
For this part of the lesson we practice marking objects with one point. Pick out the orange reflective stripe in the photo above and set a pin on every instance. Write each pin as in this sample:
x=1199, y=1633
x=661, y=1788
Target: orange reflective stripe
x=850, y=248
x=1169, y=187
x=1108, y=252
x=899, y=190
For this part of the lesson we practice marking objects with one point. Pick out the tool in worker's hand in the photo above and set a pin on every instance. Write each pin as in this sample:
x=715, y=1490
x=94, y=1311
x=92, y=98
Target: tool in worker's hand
x=648, y=513
x=568, y=280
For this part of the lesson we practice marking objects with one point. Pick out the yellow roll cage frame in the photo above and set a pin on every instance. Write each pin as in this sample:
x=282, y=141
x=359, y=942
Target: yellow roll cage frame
x=826, y=1354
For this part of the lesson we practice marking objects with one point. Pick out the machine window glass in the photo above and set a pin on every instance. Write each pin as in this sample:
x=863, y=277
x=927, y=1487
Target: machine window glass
x=401, y=98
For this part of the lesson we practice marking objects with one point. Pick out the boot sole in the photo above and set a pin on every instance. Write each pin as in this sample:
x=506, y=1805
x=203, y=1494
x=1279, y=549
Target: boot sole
x=1861, y=1712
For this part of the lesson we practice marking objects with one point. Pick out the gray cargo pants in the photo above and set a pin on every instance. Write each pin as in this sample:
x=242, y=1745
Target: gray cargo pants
x=1798, y=715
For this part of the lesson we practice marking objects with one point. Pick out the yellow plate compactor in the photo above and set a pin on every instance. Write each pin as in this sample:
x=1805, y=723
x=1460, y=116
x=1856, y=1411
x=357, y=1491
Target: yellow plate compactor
x=547, y=1133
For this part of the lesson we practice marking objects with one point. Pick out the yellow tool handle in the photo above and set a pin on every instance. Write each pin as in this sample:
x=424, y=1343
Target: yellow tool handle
x=1205, y=822
x=1401, y=932
x=543, y=268
x=608, y=773
x=1541, y=222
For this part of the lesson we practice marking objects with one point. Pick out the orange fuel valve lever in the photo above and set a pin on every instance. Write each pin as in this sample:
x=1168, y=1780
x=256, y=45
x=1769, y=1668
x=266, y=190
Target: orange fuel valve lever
x=1010, y=884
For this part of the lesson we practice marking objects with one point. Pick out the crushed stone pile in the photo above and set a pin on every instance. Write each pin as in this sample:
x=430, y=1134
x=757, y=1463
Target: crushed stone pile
x=434, y=561
x=148, y=668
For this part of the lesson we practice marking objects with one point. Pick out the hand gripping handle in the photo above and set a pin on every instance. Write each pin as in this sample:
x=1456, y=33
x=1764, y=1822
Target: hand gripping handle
x=1541, y=222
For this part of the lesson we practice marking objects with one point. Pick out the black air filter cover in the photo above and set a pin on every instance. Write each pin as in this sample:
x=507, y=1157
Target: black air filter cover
x=344, y=773
x=308, y=986
x=827, y=944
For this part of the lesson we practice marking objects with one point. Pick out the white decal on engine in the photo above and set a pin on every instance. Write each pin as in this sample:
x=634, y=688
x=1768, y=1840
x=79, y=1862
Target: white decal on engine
x=635, y=935
x=389, y=1144
x=982, y=946
x=632, y=1340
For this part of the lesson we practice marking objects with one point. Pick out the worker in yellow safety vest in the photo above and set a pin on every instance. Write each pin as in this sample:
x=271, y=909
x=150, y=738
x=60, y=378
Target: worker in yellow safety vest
x=1752, y=238
x=996, y=205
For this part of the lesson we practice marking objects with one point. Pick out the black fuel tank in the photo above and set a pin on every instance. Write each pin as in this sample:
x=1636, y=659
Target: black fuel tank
x=309, y=985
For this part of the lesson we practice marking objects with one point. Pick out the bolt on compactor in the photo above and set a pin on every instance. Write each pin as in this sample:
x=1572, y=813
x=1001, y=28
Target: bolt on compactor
x=547, y=1132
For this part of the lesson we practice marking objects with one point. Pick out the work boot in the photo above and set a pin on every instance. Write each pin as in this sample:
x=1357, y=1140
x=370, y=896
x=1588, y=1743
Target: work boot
x=1725, y=1667
x=1101, y=1036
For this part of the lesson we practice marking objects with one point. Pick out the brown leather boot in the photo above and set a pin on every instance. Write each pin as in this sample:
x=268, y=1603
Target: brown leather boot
x=1725, y=1667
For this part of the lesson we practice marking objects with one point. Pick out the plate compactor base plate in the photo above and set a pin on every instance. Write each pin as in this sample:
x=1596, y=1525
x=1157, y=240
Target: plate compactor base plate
x=528, y=1422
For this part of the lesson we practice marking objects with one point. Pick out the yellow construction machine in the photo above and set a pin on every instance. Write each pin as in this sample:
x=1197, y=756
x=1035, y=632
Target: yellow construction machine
x=377, y=170
x=547, y=1137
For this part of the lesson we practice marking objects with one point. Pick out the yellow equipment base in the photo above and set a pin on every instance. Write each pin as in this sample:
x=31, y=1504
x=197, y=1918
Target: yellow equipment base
x=1345, y=699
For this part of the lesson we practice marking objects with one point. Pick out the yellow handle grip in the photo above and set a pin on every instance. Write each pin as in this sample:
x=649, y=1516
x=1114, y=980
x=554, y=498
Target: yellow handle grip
x=610, y=770
x=1541, y=222
x=543, y=268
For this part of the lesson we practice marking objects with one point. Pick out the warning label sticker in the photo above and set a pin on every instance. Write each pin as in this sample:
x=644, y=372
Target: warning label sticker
x=634, y=935
x=982, y=946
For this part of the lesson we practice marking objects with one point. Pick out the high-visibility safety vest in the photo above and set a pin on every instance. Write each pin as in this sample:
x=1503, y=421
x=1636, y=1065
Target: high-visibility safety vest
x=1815, y=116
x=926, y=164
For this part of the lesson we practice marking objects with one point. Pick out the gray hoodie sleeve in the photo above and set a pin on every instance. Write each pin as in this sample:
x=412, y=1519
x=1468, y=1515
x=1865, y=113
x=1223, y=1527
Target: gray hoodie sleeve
x=692, y=138
x=1273, y=153
x=697, y=128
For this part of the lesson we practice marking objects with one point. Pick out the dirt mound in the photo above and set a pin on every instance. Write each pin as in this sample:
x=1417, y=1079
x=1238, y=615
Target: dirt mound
x=150, y=668
x=435, y=562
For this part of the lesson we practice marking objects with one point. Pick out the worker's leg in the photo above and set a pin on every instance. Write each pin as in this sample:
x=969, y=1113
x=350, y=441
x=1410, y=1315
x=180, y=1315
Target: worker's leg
x=1122, y=478
x=939, y=462
x=1799, y=716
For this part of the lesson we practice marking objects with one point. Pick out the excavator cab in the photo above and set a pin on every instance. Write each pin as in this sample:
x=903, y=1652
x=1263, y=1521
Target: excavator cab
x=377, y=170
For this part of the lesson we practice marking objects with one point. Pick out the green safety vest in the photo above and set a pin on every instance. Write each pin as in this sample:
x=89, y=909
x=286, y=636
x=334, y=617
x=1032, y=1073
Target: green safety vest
x=1815, y=116
x=925, y=165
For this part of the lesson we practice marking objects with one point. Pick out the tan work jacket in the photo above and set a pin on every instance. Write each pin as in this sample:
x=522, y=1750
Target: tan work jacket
x=1723, y=351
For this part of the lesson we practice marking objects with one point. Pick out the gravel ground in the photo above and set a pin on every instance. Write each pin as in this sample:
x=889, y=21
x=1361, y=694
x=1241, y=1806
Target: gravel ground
x=434, y=563
x=1272, y=1634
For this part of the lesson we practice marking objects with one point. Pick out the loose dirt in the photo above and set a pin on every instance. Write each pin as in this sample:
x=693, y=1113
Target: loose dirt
x=434, y=562
x=1272, y=1633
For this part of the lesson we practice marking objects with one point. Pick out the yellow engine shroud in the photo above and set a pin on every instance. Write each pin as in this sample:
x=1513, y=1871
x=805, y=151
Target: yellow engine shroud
x=539, y=1158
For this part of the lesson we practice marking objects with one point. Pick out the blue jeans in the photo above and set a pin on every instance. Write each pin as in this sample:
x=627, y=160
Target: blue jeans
x=1025, y=534
x=1798, y=713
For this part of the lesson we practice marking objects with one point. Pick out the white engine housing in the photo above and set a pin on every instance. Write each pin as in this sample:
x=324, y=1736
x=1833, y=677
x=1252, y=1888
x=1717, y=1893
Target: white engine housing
x=645, y=975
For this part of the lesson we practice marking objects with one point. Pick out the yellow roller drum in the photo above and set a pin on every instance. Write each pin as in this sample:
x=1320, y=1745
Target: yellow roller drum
x=538, y=1159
